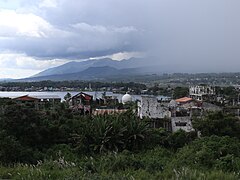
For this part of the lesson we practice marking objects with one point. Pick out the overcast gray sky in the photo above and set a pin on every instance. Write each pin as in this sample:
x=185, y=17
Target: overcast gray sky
x=190, y=35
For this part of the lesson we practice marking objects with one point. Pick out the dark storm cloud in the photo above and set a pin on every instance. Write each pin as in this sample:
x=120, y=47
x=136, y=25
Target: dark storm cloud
x=74, y=45
x=201, y=35
x=197, y=36
x=69, y=29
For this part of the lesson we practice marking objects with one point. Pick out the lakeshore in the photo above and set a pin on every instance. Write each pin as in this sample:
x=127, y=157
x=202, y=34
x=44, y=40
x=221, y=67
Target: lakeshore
x=61, y=94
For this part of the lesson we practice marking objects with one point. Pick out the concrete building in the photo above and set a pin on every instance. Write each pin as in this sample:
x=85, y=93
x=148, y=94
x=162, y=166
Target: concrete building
x=174, y=115
x=202, y=93
x=150, y=107
x=181, y=113
x=157, y=111
x=183, y=123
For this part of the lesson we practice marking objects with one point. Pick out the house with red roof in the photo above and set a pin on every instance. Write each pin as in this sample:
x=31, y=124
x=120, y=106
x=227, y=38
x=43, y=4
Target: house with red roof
x=38, y=102
x=81, y=102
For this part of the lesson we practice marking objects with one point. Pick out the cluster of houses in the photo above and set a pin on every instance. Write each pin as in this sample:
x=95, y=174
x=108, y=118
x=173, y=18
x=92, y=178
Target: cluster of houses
x=178, y=114
x=169, y=114
x=174, y=115
x=85, y=104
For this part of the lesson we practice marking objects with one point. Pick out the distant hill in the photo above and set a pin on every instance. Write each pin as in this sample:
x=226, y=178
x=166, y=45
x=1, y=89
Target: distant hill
x=91, y=73
x=102, y=69
x=73, y=67
x=6, y=79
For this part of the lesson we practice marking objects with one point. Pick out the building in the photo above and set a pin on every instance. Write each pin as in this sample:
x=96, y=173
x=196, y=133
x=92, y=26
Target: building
x=126, y=98
x=157, y=111
x=202, y=93
x=38, y=102
x=152, y=108
x=81, y=102
x=182, y=114
x=183, y=111
x=100, y=111
x=108, y=100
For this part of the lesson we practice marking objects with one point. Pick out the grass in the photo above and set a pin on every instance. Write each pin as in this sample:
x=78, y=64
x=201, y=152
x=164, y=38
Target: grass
x=151, y=164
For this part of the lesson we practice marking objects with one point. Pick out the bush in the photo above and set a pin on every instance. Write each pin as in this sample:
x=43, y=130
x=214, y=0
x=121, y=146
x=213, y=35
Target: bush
x=209, y=153
x=217, y=123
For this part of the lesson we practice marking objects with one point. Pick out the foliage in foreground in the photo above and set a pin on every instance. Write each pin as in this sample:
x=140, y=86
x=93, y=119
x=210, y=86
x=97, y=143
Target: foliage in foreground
x=218, y=123
x=151, y=164
x=60, y=144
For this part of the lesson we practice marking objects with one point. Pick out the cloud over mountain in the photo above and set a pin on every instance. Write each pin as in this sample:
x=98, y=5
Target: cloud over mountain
x=181, y=33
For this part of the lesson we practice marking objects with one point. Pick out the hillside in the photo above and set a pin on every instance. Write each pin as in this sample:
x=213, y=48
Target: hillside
x=73, y=67
x=91, y=73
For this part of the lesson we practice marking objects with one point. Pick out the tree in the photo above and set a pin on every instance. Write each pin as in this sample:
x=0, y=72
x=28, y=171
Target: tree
x=180, y=92
x=217, y=123
x=179, y=139
x=111, y=133
x=210, y=152
x=27, y=125
x=67, y=96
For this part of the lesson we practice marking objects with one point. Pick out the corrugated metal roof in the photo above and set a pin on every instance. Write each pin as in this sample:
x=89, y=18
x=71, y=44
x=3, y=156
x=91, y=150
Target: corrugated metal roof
x=30, y=98
x=26, y=98
x=47, y=97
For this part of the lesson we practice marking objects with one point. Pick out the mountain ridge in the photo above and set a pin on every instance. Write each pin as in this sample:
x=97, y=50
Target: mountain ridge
x=74, y=67
x=91, y=73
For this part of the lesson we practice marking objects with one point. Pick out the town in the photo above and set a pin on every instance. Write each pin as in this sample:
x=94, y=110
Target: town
x=78, y=132
x=168, y=113
x=119, y=89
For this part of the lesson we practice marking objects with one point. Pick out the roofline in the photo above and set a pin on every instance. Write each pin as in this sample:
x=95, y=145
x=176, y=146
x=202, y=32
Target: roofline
x=81, y=93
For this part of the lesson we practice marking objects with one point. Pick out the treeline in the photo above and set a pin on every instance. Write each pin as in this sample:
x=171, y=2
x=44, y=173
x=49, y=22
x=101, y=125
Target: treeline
x=28, y=135
x=60, y=144
x=74, y=84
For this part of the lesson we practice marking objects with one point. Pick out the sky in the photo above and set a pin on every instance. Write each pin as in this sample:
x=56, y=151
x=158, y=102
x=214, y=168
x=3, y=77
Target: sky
x=183, y=35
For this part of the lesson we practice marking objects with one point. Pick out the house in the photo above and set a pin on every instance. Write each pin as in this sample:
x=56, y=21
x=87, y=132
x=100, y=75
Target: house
x=52, y=99
x=108, y=100
x=81, y=102
x=38, y=102
x=182, y=112
x=29, y=101
x=174, y=115
x=81, y=99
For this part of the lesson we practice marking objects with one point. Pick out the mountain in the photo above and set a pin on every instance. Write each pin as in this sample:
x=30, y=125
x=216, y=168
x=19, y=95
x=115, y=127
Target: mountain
x=102, y=69
x=91, y=73
x=5, y=79
x=73, y=67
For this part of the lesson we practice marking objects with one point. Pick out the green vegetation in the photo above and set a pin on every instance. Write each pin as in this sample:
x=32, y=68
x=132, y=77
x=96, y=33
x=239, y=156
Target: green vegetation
x=76, y=85
x=218, y=124
x=61, y=144
x=180, y=92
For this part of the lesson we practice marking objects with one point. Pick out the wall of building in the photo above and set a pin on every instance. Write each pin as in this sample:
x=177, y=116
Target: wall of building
x=150, y=107
x=183, y=123
x=201, y=92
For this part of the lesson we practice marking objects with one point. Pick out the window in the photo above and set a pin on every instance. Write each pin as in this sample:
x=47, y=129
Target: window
x=181, y=123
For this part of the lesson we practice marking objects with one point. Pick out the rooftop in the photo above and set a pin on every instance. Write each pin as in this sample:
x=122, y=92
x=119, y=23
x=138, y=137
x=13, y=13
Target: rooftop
x=184, y=100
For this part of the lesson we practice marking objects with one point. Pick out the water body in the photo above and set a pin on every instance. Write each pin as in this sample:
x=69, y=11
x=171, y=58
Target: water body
x=61, y=94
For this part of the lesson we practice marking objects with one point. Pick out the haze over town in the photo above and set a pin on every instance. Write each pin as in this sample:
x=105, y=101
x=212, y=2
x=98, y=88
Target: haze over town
x=188, y=36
